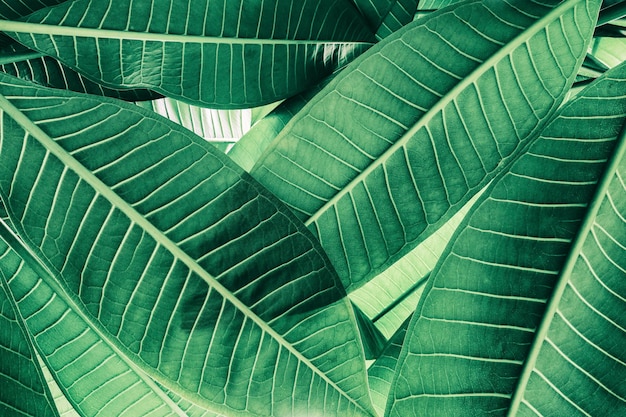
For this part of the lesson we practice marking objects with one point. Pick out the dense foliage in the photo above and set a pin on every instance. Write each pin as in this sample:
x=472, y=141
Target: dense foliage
x=351, y=208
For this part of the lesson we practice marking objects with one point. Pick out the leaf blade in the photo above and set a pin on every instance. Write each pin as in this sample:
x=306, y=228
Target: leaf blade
x=419, y=145
x=262, y=58
x=114, y=196
x=506, y=260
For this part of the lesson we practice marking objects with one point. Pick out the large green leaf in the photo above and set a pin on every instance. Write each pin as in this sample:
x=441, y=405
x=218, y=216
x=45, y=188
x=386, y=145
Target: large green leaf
x=218, y=53
x=24, y=390
x=472, y=332
x=194, y=273
x=405, y=135
x=579, y=346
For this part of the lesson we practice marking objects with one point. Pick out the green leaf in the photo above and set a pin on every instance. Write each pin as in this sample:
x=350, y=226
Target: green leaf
x=436, y=4
x=579, y=344
x=49, y=72
x=195, y=273
x=407, y=133
x=13, y=9
x=381, y=373
x=221, y=128
x=213, y=54
x=386, y=16
x=24, y=390
x=474, y=327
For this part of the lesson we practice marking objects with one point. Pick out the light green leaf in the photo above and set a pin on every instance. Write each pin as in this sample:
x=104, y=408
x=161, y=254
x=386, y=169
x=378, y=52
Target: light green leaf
x=214, y=54
x=24, y=390
x=474, y=327
x=221, y=128
x=406, y=134
x=609, y=51
x=436, y=4
x=195, y=273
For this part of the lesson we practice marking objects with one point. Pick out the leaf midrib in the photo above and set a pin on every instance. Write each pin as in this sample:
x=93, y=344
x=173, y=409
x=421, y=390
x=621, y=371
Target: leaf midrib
x=159, y=237
x=568, y=268
x=488, y=64
x=81, y=32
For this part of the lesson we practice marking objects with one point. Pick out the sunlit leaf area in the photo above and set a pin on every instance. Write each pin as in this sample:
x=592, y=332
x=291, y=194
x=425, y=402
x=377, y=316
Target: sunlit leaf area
x=312, y=208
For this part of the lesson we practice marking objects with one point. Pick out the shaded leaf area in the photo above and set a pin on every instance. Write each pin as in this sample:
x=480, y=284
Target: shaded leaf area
x=386, y=16
x=49, y=72
x=476, y=323
x=213, y=54
x=14, y=9
x=381, y=373
x=406, y=134
x=221, y=128
x=193, y=271
x=24, y=390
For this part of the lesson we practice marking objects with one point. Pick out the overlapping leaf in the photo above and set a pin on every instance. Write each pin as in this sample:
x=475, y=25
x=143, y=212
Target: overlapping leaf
x=387, y=16
x=403, y=137
x=221, y=128
x=13, y=9
x=473, y=330
x=218, y=54
x=97, y=379
x=193, y=271
x=579, y=346
x=24, y=390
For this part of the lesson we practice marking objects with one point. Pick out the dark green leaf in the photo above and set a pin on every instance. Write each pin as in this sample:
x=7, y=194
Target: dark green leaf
x=216, y=54
x=14, y=9
x=387, y=16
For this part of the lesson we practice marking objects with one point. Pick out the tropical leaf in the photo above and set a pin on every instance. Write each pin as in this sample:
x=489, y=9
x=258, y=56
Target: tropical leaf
x=13, y=9
x=579, y=344
x=192, y=272
x=20, y=376
x=407, y=133
x=474, y=327
x=387, y=16
x=211, y=54
x=391, y=297
x=436, y=4
x=221, y=128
